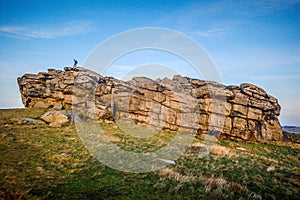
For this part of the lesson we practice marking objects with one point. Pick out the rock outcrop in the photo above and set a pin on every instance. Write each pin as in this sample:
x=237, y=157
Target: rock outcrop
x=244, y=112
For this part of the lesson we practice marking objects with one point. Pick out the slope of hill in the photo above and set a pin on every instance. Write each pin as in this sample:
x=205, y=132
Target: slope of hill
x=291, y=129
x=42, y=162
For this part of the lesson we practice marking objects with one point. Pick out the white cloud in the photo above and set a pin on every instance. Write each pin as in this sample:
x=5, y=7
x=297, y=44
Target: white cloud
x=277, y=77
x=256, y=8
x=60, y=30
x=211, y=32
x=215, y=18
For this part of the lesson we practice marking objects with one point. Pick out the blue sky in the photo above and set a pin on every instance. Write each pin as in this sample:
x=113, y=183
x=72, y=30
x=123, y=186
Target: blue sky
x=249, y=41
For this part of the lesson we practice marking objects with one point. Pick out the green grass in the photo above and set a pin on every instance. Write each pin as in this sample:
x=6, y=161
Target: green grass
x=37, y=161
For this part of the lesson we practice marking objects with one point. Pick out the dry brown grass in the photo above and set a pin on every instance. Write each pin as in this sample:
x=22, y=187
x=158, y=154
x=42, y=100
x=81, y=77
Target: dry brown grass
x=210, y=184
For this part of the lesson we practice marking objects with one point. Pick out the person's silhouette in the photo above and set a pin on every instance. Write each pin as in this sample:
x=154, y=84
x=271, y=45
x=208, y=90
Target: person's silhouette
x=75, y=63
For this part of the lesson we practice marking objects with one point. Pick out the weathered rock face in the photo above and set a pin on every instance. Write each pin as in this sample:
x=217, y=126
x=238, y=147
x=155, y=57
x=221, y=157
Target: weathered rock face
x=244, y=112
x=52, y=89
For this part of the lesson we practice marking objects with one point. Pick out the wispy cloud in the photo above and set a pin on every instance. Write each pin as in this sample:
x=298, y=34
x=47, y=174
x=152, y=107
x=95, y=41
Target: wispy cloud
x=277, y=77
x=33, y=52
x=60, y=30
x=211, y=32
x=257, y=8
x=227, y=15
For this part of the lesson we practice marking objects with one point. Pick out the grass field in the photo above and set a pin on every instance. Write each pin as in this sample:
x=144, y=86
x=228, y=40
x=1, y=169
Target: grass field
x=42, y=162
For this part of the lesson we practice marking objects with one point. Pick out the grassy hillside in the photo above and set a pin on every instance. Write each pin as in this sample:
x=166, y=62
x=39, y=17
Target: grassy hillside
x=41, y=162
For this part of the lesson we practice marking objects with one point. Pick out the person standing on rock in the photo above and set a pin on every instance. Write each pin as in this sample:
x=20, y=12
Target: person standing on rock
x=75, y=63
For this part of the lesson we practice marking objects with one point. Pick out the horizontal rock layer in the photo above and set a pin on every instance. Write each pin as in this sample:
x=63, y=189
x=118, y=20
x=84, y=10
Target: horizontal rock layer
x=244, y=112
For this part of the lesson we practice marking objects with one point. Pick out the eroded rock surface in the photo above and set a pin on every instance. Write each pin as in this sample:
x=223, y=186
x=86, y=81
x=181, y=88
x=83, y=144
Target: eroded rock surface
x=244, y=112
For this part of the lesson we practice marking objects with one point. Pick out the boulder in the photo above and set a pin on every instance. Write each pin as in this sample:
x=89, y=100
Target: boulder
x=30, y=121
x=61, y=117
